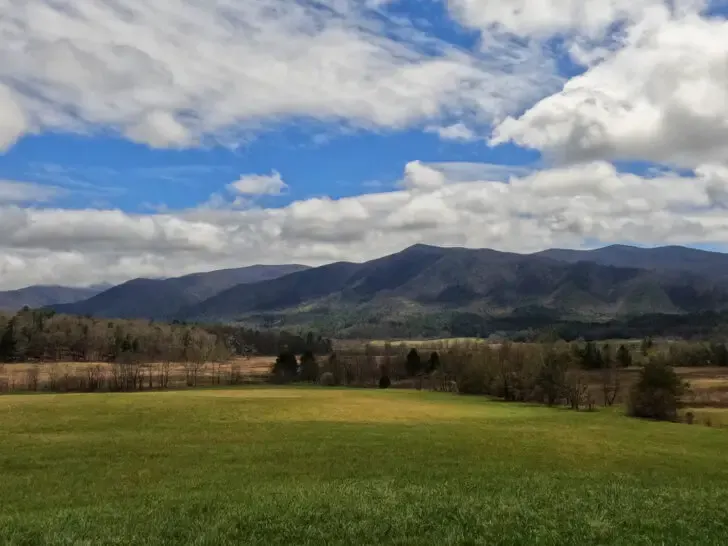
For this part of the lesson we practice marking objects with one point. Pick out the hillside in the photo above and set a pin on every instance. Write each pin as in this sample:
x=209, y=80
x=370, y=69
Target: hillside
x=665, y=258
x=43, y=296
x=427, y=289
x=162, y=298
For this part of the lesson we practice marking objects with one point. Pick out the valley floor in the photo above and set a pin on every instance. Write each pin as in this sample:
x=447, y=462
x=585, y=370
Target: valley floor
x=261, y=465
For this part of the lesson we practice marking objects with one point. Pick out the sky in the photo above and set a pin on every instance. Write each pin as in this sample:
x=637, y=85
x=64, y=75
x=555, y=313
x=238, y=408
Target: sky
x=148, y=139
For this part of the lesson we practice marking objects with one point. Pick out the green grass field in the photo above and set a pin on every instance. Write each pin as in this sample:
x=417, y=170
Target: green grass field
x=316, y=466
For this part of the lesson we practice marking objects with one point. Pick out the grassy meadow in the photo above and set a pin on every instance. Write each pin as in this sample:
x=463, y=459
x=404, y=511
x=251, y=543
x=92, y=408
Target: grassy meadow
x=287, y=465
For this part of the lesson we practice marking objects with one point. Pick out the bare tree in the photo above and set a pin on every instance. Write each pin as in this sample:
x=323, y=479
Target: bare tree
x=610, y=376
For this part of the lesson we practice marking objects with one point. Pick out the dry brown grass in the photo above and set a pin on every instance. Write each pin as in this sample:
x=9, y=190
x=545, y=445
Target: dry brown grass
x=18, y=376
x=708, y=396
x=708, y=385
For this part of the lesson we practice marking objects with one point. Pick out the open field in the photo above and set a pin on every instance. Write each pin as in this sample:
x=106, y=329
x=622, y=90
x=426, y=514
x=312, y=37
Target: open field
x=441, y=343
x=708, y=396
x=421, y=343
x=262, y=465
x=15, y=376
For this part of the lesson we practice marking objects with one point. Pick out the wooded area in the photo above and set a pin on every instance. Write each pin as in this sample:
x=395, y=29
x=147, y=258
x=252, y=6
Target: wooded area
x=43, y=336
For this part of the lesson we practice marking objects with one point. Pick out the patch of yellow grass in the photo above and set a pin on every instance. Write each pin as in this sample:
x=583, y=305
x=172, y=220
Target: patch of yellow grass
x=362, y=406
x=710, y=416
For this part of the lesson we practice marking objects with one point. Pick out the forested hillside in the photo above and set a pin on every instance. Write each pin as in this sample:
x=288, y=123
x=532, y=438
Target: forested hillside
x=432, y=292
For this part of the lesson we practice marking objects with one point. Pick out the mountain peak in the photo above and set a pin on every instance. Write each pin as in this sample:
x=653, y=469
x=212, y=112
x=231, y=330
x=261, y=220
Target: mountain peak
x=421, y=247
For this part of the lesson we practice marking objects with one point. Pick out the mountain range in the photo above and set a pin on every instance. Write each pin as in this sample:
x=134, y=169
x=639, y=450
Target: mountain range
x=163, y=298
x=427, y=290
x=663, y=258
x=42, y=296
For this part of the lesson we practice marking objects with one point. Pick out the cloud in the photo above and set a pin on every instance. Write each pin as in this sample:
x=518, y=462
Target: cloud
x=430, y=176
x=663, y=97
x=26, y=192
x=456, y=131
x=557, y=207
x=653, y=86
x=13, y=123
x=256, y=184
x=178, y=73
x=545, y=18
x=461, y=171
x=159, y=129
x=418, y=176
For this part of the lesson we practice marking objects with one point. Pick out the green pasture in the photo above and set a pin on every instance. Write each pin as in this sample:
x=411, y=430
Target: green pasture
x=343, y=466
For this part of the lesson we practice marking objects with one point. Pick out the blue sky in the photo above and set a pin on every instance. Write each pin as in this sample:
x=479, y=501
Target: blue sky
x=157, y=140
x=130, y=176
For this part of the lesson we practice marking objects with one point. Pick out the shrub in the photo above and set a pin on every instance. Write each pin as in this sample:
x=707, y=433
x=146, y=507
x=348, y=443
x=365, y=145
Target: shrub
x=337, y=368
x=434, y=362
x=624, y=357
x=384, y=382
x=472, y=378
x=32, y=376
x=656, y=395
x=236, y=375
x=285, y=368
x=576, y=390
x=327, y=379
x=309, y=367
x=551, y=378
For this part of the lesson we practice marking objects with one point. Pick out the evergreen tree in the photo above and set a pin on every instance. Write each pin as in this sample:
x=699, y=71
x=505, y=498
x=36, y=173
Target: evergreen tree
x=285, y=367
x=434, y=362
x=591, y=357
x=719, y=356
x=8, y=343
x=414, y=364
x=624, y=357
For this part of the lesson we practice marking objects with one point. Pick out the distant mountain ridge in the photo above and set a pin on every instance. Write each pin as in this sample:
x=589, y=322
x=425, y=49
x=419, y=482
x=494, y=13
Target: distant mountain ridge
x=664, y=258
x=162, y=298
x=42, y=296
x=428, y=289
x=427, y=284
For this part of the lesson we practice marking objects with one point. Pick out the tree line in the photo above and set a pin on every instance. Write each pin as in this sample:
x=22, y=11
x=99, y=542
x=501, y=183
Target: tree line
x=577, y=375
x=550, y=373
x=43, y=336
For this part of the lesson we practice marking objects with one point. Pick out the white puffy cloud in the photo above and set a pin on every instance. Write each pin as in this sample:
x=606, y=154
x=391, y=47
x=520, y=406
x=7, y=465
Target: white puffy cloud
x=159, y=129
x=255, y=184
x=418, y=176
x=179, y=73
x=559, y=207
x=663, y=97
x=172, y=73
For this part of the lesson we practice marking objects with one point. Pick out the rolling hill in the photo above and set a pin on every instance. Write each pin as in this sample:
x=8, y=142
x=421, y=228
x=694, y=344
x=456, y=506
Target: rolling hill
x=43, y=296
x=162, y=298
x=425, y=285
